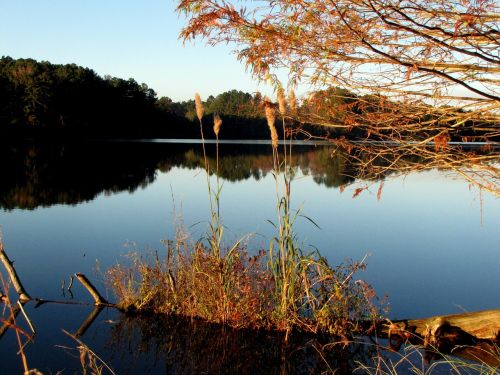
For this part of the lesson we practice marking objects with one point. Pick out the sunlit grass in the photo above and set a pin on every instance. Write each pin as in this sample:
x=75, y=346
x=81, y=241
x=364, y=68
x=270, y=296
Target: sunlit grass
x=413, y=359
x=282, y=287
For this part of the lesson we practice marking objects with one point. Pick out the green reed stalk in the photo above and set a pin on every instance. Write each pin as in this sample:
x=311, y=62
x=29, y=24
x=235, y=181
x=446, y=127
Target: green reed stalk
x=285, y=265
x=199, y=280
x=216, y=228
x=219, y=228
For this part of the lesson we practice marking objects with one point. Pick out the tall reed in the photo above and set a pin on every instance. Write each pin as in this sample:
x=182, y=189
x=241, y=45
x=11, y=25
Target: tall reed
x=218, y=225
x=216, y=228
x=280, y=288
x=291, y=277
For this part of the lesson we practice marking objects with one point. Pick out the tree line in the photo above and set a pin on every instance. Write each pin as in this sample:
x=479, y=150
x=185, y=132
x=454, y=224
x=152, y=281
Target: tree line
x=44, y=100
x=40, y=99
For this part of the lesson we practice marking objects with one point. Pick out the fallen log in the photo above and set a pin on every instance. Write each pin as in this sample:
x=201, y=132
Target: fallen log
x=471, y=335
x=98, y=299
x=480, y=324
x=16, y=282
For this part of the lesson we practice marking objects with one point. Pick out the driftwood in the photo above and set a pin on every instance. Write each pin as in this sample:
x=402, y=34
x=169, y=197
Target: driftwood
x=24, y=295
x=24, y=298
x=471, y=335
x=99, y=300
x=481, y=324
x=18, y=286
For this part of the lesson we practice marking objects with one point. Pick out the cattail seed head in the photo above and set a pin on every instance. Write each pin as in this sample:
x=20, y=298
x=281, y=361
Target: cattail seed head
x=274, y=136
x=281, y=101
x=199, y=106
x=271, y=117
x=217, y=123
x=293, y=102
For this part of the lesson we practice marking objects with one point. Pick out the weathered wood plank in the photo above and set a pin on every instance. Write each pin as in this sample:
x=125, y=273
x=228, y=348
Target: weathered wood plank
x=472, y=335
x=480, y=324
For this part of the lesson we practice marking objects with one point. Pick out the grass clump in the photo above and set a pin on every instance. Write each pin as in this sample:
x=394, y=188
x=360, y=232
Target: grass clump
x=242, y=290
x=232, y=289
x=280, y=288
x=419, y=360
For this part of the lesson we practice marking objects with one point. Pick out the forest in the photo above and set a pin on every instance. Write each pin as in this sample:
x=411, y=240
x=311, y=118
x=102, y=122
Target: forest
x=43, y=100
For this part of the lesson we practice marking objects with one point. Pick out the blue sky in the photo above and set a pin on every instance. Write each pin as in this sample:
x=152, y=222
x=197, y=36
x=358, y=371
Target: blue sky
x=126, y=39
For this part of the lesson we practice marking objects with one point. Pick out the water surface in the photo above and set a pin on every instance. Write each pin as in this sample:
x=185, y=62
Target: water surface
x=434, y=242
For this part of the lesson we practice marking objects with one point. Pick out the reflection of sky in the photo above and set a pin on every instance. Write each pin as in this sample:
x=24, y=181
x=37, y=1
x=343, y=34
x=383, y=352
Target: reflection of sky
x=429, y=251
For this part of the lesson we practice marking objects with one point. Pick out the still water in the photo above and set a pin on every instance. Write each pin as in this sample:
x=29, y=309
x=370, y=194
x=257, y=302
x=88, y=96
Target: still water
x=433, y=241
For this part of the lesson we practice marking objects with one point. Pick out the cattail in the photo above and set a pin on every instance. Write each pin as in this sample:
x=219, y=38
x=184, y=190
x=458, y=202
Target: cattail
x=281, y=101
x=271, y=117
x=293, y=102
x=217, y=123
x=199, y=106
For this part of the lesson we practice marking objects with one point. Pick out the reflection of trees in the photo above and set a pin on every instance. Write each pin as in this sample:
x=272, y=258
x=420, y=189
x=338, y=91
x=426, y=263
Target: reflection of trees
x=328, y=168
x=35, y=175
x=243, y=162
x=476, y=164
x=193, y=347
x=40, y=176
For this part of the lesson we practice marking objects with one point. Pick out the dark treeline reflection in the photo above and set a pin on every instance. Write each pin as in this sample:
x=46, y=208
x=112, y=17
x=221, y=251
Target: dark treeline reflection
x=43, y=175
x=35, y=175
x=181, y=346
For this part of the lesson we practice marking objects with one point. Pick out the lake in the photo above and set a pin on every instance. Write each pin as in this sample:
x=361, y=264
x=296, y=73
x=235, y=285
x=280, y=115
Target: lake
x=433, y=240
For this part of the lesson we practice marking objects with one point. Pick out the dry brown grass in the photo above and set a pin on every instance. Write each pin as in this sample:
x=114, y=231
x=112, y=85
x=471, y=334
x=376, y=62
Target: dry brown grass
x=234, y=289
x=280, y=288
x=240, y=290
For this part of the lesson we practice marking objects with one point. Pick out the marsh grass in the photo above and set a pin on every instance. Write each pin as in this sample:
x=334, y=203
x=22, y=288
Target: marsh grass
x=281, y=288
x=418, y=360
x=90, y=362
x=9, y=321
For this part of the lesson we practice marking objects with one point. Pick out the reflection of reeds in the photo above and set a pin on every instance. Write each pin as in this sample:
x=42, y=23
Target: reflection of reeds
x=192, y=346
x=91, y=363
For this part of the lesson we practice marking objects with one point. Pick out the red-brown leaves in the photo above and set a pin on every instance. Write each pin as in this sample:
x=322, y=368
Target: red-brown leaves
x=441, y=142
x=379, y=191
x=358, y=191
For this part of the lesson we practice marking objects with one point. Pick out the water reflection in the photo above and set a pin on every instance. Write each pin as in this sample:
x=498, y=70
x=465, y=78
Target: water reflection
x=186, y=346
x=37, y=175
x=430, y=252
x=43, y=175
